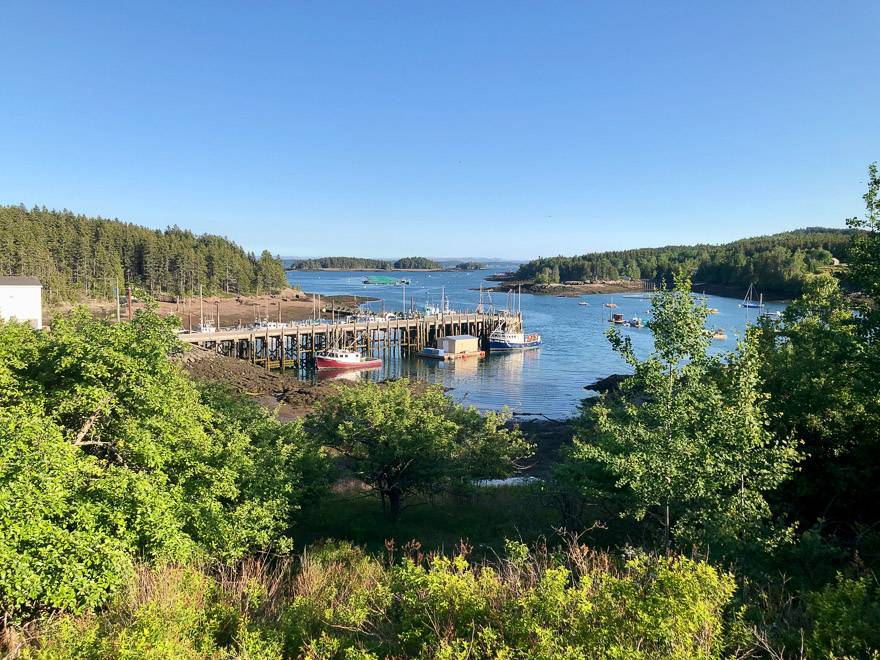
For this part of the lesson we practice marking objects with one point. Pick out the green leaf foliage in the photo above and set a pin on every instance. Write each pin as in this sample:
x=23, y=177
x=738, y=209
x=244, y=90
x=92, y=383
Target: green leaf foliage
x=108, y=451
x=337, y=602
x=400, y=440
x=689, y=444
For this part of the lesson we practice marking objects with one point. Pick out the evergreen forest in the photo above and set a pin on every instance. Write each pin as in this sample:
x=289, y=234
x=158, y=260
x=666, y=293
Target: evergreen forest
x=79, y=258
x=775, y=264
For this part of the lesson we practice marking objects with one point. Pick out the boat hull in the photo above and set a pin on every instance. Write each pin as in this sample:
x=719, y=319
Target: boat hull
x=501, y=345
x=330, y=363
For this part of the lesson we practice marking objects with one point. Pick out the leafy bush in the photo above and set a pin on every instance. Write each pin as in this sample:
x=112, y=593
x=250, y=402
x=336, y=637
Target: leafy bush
x=108, y=451
x=337, y=602
x=844, y=618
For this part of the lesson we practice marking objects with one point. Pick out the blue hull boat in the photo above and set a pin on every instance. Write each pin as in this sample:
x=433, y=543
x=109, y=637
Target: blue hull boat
x=513, y=341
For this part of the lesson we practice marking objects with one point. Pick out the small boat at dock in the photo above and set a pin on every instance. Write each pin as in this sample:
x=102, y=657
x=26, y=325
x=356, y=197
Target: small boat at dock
x=509, y=334
x=337, y=358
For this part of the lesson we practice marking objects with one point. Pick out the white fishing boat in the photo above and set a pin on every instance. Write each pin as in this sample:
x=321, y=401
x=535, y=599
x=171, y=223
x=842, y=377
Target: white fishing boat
x=503, y=340
x=509, y=334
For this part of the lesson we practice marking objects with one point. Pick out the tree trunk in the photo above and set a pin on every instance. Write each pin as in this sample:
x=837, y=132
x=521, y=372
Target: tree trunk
x=394, y=500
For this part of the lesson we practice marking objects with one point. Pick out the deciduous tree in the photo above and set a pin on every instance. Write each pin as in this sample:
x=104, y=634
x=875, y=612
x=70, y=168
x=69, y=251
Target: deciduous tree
x=401, y=441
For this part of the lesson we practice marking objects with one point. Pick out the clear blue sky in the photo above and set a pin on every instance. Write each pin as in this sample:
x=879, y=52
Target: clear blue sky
x=443, y=128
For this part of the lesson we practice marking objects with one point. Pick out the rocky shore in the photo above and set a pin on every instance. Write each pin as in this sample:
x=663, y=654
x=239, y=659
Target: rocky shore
x=570, y=289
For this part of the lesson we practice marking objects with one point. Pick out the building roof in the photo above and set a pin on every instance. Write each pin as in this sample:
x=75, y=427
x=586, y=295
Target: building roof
x=459, y=337
x=19, y=281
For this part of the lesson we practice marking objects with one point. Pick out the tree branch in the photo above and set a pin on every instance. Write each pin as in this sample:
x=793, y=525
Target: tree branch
x=87, y=426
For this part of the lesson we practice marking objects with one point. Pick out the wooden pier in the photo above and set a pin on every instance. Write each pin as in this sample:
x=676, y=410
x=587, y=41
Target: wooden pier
x=294, y=346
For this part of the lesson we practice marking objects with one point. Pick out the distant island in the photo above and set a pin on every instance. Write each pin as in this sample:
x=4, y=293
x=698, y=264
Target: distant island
x=359, y=263
x=470, y=265
x=776, y=264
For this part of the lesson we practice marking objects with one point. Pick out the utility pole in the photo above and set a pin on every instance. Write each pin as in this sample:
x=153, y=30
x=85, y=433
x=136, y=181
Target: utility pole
x=129, y=303
x=116, y=289
x=201, y=310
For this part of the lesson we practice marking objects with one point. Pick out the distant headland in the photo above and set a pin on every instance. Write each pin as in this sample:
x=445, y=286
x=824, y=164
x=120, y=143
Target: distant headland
x=364, y=264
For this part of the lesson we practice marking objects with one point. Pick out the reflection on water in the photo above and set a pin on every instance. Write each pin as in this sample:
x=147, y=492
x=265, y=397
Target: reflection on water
x=548, y=380
x=353, y=375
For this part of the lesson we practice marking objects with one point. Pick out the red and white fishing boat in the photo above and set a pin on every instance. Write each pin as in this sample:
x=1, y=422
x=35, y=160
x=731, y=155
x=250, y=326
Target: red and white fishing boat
x=336, y=358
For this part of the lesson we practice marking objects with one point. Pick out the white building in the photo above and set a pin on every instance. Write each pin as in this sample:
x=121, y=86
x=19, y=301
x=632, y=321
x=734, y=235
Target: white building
x=454, y=344
x=21, y=299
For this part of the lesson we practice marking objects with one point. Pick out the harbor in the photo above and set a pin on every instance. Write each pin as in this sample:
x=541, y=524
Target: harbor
x=399, y=332
x=549, y=380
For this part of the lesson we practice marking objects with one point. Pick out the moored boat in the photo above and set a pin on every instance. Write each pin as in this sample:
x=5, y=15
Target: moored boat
x=337, y=358
x=503, y=340
x=750, y=302
x=509, y=334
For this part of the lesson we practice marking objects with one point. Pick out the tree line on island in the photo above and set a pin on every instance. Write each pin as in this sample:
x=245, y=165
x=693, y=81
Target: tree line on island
x=78, y=257
x=362, y=263
x=777, y=264
x=710, y=506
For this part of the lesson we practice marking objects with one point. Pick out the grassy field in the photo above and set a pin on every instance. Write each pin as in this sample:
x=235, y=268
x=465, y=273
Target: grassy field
x=483, y=520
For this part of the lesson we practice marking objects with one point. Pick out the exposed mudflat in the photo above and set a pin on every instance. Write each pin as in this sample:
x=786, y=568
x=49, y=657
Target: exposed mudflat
x=277, y=391
x=285, y=306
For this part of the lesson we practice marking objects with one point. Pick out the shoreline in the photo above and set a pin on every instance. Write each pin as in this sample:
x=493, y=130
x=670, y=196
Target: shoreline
x=566, y=290
x=290, y=398
x=575, y=290
x=381, y=270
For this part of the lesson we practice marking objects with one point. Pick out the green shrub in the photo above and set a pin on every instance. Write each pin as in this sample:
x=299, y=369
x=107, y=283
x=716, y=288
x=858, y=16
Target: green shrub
x=844, y=618
x=336, y=601
x=109, y=452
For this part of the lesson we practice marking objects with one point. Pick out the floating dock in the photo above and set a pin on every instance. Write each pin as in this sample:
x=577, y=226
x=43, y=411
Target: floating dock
x=440, y=354
x=454, y=347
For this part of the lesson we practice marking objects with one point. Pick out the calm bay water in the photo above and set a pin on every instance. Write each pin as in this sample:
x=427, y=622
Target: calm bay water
x=548, y=380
